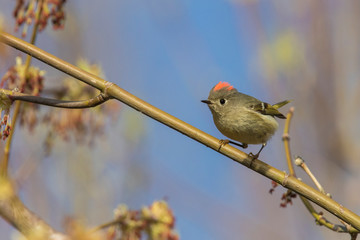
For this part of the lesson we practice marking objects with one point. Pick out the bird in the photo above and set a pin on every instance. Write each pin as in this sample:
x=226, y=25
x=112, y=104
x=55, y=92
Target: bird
x=243, y=118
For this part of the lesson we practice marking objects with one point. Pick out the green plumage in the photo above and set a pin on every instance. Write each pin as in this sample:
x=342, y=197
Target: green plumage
x=272, y=110
x=280, y=104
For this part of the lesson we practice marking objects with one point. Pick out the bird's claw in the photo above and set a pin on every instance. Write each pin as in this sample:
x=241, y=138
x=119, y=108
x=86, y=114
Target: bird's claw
x=253, y=157
x=223, y=142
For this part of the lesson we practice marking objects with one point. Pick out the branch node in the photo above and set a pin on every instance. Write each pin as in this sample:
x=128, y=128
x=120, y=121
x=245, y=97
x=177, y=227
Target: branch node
x=107, y=86
x=321, y=217
x=285, y=180
x=341, y=208
x=286, y=137
x=298, y=161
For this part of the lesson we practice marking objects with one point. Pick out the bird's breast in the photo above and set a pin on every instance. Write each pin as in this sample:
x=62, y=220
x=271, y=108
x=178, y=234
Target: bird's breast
x=246, y=126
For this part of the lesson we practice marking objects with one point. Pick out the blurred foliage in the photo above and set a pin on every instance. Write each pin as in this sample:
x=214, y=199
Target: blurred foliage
x=75, y=229
x=24, y=79
x=86, y=125
x=156, y=221
x=25, y=14
x=5, y=121
x=284, y=52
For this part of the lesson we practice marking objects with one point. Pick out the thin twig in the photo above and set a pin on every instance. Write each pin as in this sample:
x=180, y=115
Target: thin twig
x=140, y=223
x=106, y=225
x=5, y=162
x=286, y=139
x=92, y=102
x=301, y=163
x=320, y=219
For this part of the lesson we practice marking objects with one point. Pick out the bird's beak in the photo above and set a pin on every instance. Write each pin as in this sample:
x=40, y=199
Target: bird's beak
x=206, y=101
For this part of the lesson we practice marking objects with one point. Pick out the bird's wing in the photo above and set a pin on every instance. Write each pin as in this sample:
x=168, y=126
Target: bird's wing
x=263, y=107
x=267, y=109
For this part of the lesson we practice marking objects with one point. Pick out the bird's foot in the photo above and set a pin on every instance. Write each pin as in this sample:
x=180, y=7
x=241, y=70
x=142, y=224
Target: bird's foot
x=243, y=145
x=252, y=157
x=223, y=142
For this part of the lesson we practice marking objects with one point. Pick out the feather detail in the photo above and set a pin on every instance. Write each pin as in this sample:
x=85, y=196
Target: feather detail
x=222, y=85
x=280, y=104
x=267, y=109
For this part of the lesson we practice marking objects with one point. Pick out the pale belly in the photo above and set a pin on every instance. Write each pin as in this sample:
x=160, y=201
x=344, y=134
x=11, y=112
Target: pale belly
x=241, y=129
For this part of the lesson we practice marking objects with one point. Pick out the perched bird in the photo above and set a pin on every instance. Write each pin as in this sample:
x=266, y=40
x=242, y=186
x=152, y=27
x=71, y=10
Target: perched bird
x=241, y=117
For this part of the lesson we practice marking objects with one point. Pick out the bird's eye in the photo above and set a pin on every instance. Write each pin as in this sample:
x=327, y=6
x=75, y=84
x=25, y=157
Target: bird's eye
x=222, y=101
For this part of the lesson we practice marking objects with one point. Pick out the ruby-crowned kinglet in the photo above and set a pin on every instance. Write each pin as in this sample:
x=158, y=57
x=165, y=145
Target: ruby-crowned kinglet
x=241, y=117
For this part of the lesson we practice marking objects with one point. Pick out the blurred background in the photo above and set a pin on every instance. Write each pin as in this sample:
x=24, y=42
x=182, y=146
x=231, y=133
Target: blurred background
x=171, y=53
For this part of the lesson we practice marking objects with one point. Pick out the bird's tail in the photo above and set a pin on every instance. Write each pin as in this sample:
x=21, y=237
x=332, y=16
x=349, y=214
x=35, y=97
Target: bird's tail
x=280, y=104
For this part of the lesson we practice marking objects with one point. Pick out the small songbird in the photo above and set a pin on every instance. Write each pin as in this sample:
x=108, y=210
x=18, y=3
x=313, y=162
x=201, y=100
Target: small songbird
x=241, y=117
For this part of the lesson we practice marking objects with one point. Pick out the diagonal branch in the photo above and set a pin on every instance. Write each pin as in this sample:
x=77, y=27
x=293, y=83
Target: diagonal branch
x=92, y=102
x=235, y=154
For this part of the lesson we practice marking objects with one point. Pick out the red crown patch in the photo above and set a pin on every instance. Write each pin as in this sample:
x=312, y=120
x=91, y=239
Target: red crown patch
x=221, y=85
